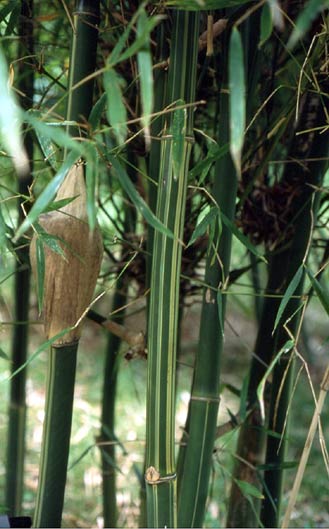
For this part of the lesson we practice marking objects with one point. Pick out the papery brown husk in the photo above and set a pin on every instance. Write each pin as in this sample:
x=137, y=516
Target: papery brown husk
x=69, y=282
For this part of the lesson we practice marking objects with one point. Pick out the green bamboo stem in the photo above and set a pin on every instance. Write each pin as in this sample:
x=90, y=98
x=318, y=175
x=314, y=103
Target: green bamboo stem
x=194, y=462
x=160, y=472
x=17, y=404
x=62, y=361
x=56, y=436
x=83, y=61
x=108, y=414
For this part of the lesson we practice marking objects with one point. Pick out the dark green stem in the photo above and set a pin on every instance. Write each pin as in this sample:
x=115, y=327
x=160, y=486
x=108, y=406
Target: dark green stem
x=56, y=436
x=17, y=405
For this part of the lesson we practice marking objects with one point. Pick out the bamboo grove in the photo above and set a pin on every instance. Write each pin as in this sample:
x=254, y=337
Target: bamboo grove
x=162, y=163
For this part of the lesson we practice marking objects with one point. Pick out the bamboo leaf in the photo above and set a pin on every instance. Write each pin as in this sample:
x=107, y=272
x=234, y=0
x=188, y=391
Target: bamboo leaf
x=248, y=489
x=46, y=196
x=40, y=255
x=289, y=292
x=214, y=154
x=54, y=132
x=116, y=110
x=7, y=9
x=58, y=204
x=97, y=111
x=48, y=148
x=144, y=61
x=305, y=19
x=13, y=19
x=260, y=390
x=320, y=291
x=237, y=102
x=149, y=25
x=178, y=131
x=240, y=236
x=266, y=25
x=202, y=226
x=4, y=355
x=137, y=200
x=50, y=240
x=10, y=121
x=276, y=13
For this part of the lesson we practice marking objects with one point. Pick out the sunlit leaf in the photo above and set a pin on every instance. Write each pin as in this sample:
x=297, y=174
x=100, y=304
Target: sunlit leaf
x=10, y=121
x=201, y=228
x=305, y=19
x=248, y=489
x=237, y=104
x=144, y=61
x=4, y=355
x=40, y=256
x=276, y=13
x=116, y=110
x=288, y=293
x=47, y=195
x=137, y=200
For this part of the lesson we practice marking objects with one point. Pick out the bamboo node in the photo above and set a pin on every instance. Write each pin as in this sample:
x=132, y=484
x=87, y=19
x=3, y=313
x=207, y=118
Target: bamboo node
x=205, y=399
x=152, y=476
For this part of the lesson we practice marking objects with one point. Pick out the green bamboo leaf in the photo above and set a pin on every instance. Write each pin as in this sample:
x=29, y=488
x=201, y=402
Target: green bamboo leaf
x=144, y=61
x=241, y=237
x=220, y=311
x=137, y=200
x=260, y=390
x=4, y=355
x=121, y=44
x=139, y=42
x=116, y=110
x=275, y=466
x=202, y=226
x=8, y=8
x=248, y=489
x=237, y=119
x=320, y=291
x=46, y=196
x=43, y=346
x=202, y=168
x=202, y=5
x=305, y=19
x=289, y=292
x=51, y=241
x=266, y=25
x=178, y=131
x=54, y=132
x=244, y=398
x=40, y=256
x=10, y=121
x=48, y=149
x=58, y=204
x=13, y=19
x=97, y=111
x=276, y=13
